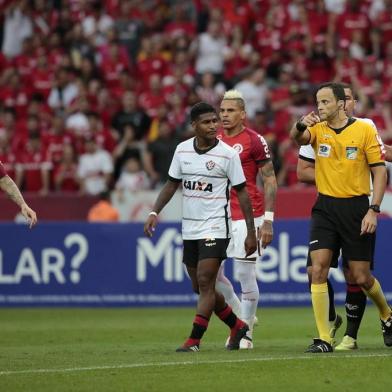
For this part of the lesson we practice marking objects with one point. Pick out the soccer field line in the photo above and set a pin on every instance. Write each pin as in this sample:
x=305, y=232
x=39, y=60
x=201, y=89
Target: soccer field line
x=187, y=363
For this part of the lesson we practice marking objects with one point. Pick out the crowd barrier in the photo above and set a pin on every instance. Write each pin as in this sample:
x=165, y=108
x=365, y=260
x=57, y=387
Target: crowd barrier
x=81, y=264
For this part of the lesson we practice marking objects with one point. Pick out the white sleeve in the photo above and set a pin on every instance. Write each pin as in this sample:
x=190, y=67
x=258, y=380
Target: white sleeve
x=235, y=172
x=107, y=163
x=307, y=152
x=175, y=167
x=369, y=121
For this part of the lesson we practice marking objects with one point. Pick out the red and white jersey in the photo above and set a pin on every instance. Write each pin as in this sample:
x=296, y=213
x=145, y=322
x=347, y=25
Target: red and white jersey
x=253, y=151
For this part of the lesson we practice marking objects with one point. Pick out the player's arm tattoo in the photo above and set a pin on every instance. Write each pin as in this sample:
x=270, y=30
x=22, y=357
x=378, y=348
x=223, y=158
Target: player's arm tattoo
x=13, y=192
x=270, y=185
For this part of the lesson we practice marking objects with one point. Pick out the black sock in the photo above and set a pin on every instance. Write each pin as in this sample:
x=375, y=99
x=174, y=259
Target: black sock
x=355, y=308
x=331, y=295
x=227, y=316
x=200, y=324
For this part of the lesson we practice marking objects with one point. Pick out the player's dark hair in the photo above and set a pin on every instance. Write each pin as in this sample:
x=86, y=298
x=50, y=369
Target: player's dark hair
x=346, y=85
x=337, y=90
x=201, y=108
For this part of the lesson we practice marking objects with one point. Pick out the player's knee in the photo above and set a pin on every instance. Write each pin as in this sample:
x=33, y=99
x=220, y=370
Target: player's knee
x=363, y=280
x=205, y=283
x=246, y=272
x=319, y=274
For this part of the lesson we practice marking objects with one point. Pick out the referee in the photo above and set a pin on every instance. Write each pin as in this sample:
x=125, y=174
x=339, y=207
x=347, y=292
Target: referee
x=347, y=150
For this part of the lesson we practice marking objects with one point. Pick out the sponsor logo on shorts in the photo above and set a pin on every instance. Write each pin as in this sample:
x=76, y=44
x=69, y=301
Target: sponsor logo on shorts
x=351, y=153
x=210, y=242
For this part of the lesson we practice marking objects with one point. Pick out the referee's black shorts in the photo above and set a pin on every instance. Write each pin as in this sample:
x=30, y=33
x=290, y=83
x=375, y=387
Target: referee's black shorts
x=337, y=222
x=210, y=248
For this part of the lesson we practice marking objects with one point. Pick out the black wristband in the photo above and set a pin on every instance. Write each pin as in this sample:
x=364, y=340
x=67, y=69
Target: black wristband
x=300, y=126
x=375, y=208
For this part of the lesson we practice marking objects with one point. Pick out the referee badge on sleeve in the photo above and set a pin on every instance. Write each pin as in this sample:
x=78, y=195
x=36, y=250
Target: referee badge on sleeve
x=324, y=150
x=351, y=152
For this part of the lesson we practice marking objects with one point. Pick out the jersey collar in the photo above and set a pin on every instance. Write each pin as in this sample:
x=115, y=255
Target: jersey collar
x=350, y=121
x=201, y=152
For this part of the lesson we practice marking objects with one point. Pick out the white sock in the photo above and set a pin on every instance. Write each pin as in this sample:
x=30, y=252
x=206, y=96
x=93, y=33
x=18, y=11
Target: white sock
x=224, y=286
x=246, y=273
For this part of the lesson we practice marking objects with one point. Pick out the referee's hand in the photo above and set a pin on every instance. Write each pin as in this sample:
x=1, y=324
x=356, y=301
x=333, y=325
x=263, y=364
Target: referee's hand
x=369, y=222
x=310, y=119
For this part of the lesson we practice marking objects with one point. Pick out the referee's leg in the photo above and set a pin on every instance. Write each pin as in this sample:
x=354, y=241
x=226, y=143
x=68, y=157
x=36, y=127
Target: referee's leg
x=321, y=261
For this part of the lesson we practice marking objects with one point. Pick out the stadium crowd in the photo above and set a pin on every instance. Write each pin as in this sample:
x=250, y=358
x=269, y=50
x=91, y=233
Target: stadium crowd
x=95, y=95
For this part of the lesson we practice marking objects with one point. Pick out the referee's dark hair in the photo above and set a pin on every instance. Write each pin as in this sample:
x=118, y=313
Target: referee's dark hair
x=201, y=108
x=337, y=90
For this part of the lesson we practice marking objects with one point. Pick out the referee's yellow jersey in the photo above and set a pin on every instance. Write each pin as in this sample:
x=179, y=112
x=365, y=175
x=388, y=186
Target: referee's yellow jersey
x=344, y=157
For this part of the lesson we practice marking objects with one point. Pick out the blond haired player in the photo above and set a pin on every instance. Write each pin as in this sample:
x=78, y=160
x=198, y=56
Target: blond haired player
x=255, y=159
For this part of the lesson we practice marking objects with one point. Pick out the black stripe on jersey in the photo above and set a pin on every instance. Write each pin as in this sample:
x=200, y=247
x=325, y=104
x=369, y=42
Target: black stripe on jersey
x=204, y=220
x=306, y=158
x=263, y=161
x=203, y=175
x=225, y=207
x=377, y=164
x=174, y=179
x=238, y=187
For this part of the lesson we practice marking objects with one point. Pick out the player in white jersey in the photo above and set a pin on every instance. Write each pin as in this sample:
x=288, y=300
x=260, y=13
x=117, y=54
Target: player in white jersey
x=207, y=168
x=355, y=297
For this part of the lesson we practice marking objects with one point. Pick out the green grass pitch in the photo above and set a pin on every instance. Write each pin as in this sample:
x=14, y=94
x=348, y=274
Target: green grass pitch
x=133, y=350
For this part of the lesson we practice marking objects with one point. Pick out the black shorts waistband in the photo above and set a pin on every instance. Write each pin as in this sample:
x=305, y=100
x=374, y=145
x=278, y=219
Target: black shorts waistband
x=327, y=197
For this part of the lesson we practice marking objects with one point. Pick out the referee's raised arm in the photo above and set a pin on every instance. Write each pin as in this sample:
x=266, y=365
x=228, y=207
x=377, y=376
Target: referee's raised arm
x=299, y=131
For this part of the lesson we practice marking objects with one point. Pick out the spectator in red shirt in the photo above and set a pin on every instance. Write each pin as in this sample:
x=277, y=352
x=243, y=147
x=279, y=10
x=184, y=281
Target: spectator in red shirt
x=65, y=173
x=150, y=61
x=33, y=167
x=13, y=93
x=104, y=138
x=382, y=30
x=152, y=97
x=113, y=64
x=56, y=139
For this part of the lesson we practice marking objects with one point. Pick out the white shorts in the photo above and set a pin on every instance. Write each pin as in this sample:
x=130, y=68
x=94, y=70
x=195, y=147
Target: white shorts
x=236, y=248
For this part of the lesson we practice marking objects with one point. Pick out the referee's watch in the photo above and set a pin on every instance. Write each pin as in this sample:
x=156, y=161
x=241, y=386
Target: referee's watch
x=375, y=208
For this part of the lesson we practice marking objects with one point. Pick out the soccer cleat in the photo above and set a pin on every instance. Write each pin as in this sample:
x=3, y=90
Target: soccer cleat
x=188, y=349
x=335, y=325
x=319, y=346
x=234, y=341
x=348, y=343
x=386, y=327
x=246, y=343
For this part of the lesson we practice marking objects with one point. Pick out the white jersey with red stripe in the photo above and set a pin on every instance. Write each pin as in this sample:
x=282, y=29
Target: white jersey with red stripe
x=206, y=177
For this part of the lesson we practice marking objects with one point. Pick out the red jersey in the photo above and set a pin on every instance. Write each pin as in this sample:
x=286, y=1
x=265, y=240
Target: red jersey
x=253, y=150
x=2, y=171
